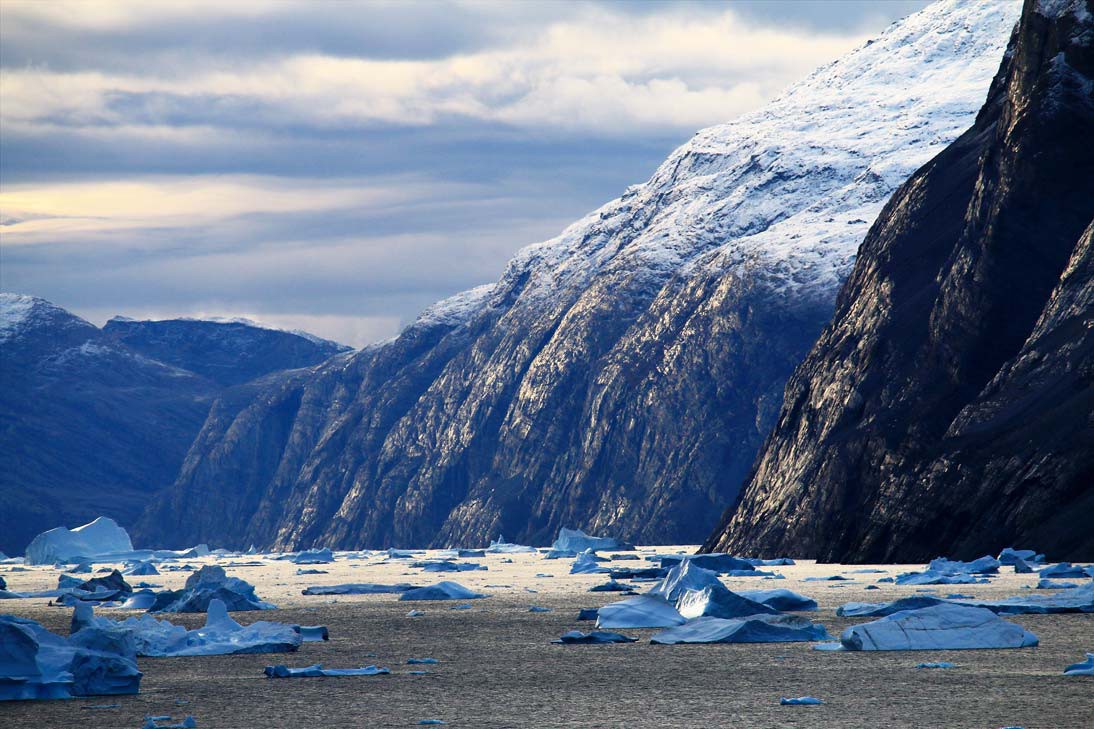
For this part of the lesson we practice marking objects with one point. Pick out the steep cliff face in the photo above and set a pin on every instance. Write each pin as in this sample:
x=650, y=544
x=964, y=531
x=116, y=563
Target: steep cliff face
x=949, y=406
x=620, y=377
x=93, y=422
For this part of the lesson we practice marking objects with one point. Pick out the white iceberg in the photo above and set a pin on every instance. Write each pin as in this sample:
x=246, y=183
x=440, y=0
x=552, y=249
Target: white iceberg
x=586, y=564
x=221, y=635
x=575, y=540
x=141, y=569
x=642, y=611
x=934, y=577
x=101, y=536
x=317, y=670
x=503, y=547
x=983, y=566
x=313, y=556
x=38, y=664
x=753, y=629
x=684, y=577
x=781, y=599
x=1084, y=668
x=718, y=601
x=940, y=627
x=441, y=591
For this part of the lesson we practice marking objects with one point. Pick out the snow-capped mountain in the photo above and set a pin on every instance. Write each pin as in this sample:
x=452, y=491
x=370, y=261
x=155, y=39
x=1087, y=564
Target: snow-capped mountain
x=621, y=376
x=93, y=421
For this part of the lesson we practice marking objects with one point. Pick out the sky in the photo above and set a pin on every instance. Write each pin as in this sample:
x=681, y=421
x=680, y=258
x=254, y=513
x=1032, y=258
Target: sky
x=336, y=166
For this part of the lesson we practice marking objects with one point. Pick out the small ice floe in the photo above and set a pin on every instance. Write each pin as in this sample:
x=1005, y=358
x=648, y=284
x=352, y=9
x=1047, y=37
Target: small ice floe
x=777, y=562
x=1054, y=585
x=575, y=540
x=801, y=701
x=141, y=569
x=356, y=588
x=140, y=600
x=1084, y=668
x=539, y=609
x=587, y=614
x=311, y=572
x=881, y=609
x=611, y=586
x=871, y=587
x=752, y=629
x=543, y=575
x=936, y=664
x=934, y=577
x=866, y=571
x=830, y=578
x=641, y=573
x=208, y=584
x=313, y=556
x=441, y=591
x=312, y=633
x=465, y=606
x=221, y=635
x=587, y=564
x=431, y=722
x=643, y=611
x=885, y=579
x=947, y=626
x=985, y=565
x=421, y=661
x=415, y=613
x=1012, y=556
x=317, y=670
x=781, y=599
x=38, y=664
x=153, y=722
x=447, y=566
x=1064, y=570
x=503, y=547
x=575, y=637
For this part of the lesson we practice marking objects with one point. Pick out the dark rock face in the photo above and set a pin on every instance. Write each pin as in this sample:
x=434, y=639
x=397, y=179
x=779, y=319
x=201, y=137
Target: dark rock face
x=89, y=425
x=228, y=353
x=618, y=379
x=949, y=406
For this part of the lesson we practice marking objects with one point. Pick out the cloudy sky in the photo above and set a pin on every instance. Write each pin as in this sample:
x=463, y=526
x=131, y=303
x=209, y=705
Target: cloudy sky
x=339, y=166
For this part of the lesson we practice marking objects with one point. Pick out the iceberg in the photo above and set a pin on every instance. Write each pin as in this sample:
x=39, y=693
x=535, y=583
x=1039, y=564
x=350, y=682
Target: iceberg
x=939, y=627
x=587, y=614
x=208, y=584
x=3, y=584
x=141, y=569
x=586, y=564
x=356, y=588
x=221, y=635
x=611, y=586
x=576, y=637
x=1054, y=585
x=687, y=575
x=317, y=670
x=448, y=566
x=313, y=556
x=441, y=591
x=503, y=547
x=781, y=599
x=934, y=577
x=718, y=563
x=1084, y=668
x=752, y=629
x=985, y=565
x=1075, y=600
x=801, y=701
x=1013, y=556
x=881, y=609
x=38, y=664
x=639, y=612
x=101, y=536
x=1064, y=570
x=718, y=601
x=575, y=540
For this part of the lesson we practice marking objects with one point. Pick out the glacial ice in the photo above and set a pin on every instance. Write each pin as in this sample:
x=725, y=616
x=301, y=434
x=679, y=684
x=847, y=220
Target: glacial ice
x=717, y=563
x=101, y=536
x=208, y=584
x=1083, y=668
x=934, y=577
x=448, y=566
x=1064, y=570
x=586, y=564
x=1054, y=585
x=985, y=565
x=503, y=547
x=687, y=575
x=718, y=601
x=801, y=701
x=781, y=599
x=641, y=611
x=314, y=556
x=611, y=586
x=751, y=629
x=1074, y=600
x=317, y=670
x=356, y=588
x=935, y=664
x=141, y=569
x=441, y=591
x=576, y=637
x=1012, y=556
x=881, y=609
x=939, y=627
x=575, y=540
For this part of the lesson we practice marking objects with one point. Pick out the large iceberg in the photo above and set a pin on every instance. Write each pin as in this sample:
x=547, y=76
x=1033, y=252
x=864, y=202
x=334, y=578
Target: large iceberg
x=939, y=627
x=221, y=635
x=684, y=577
x=718, y=601
x=642, y=611
x=781, y=599
x=575, y=540
x=441, y=591
x=38, y=664
x=208, y=584
x=102, y=536
x=752, y=629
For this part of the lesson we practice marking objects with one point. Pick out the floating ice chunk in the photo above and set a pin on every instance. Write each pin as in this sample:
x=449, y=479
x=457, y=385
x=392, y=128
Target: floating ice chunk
x=466, y=553
x=3, y=584
x=687, y=575
x=356, y=588
x=801, y=701
x=1013, y=556
x=587, y=613
x=938, y=664
x=140, y=600
x=985, y=565
x=1076, y=600
x=575, y=540
x=611, y=586
x=441, y=591
x=939, y=627
x=1021, y=567
x=781, y=599
x=1084, y=668
x=1054, y=585
x=642, y=611
x=934, y=577
x=312, y=633
x=317, y=670
x=777, y=562
x=539, y=609
x=141, y=569
x=314, y=556
x=311, y=572
x=101, y=536
x=717, y=601
x=431, y=722
x=881, y=609
x=503, y=547
x=208, y=584
x=1064, y=569
x=447, y=566
x=752, y=629
x=586, y=564
x=830, y=578
x=415, y=613
x=717, y=563
x=421, y=661
x=596, y=636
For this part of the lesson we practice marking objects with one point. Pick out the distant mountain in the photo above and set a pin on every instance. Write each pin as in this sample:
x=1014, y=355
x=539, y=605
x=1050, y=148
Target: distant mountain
x=949, y=406
x=620, y=377
x=93, y=422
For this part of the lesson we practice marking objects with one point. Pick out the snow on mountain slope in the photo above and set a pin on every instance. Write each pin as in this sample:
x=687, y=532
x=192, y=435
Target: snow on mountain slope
x=620, y=377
